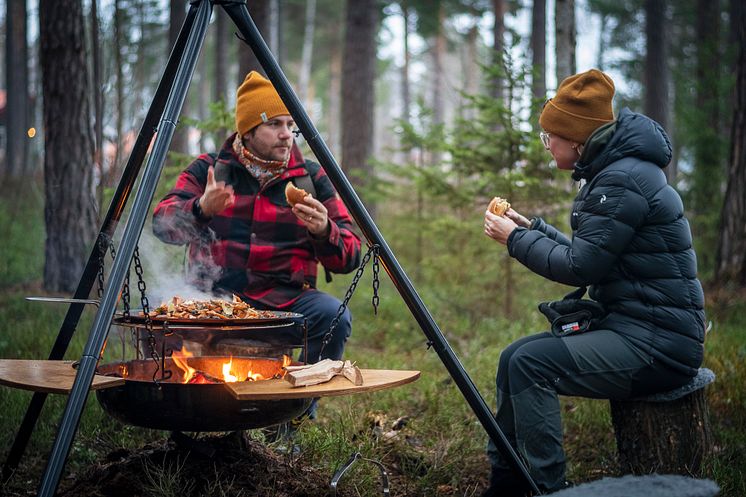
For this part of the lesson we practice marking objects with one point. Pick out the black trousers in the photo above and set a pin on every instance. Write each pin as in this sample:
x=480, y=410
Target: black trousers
x=534, y=370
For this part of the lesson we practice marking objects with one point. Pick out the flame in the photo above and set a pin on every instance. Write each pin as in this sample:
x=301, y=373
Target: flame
x=208, y=372
x=180, y=359
x=228, y=375
x=254, y=377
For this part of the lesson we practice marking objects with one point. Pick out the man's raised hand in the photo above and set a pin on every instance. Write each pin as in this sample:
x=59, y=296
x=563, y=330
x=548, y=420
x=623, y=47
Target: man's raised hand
x=217, y=197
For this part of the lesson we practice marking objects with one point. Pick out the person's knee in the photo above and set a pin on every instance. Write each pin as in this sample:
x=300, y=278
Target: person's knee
x=524, y=370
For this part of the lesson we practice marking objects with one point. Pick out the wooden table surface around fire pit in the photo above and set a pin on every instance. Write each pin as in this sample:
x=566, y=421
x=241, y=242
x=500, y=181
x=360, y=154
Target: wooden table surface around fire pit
x=373, y=379
x=47, y=376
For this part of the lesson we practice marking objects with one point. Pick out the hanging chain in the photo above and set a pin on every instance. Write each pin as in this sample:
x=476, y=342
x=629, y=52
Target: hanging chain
x=376, y=268
x=104, y=243
x=372, y=251
x=157, y=359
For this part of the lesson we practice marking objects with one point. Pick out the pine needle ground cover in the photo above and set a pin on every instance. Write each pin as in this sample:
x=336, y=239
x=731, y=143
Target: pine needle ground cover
x=424, y=433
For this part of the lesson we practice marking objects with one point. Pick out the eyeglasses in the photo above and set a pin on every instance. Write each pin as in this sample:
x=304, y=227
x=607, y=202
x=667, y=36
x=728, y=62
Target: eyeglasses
x=544, y=136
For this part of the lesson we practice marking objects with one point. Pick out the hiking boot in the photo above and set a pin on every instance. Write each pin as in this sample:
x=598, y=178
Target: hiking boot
x=507, y=484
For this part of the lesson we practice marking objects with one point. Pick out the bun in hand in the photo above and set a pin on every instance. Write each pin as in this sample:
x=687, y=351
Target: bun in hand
x=294, y=195
x=498, y=206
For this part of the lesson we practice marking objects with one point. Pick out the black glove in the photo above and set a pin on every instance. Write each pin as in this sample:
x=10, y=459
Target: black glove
x=572, y=314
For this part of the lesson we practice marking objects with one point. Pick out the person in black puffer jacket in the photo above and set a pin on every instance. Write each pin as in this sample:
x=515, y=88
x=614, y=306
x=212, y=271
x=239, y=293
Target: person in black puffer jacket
x=632, y=245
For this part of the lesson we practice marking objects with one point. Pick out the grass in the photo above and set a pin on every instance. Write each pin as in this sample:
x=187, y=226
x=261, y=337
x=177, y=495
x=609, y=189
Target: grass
x=438, y=446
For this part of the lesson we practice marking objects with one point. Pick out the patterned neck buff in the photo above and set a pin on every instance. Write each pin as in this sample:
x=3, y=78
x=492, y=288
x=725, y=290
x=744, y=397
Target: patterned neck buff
x=262, y=170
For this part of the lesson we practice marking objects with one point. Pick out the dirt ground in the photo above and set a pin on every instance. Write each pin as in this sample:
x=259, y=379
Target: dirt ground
x=237, y=468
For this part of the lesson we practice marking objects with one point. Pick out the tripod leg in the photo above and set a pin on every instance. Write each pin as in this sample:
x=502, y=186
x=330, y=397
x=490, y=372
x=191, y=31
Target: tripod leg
x=109, y=225
x=141, y=206
x=240, y=15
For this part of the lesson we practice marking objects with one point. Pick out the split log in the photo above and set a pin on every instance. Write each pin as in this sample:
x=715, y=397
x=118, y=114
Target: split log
x=321, y=372
x=352, y=373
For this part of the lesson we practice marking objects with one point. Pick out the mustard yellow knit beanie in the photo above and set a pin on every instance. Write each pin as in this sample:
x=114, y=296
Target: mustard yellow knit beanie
x=581, y=105
x=257, y=101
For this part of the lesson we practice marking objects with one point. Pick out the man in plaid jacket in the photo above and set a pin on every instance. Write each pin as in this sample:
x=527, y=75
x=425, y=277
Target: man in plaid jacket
x=244, y=237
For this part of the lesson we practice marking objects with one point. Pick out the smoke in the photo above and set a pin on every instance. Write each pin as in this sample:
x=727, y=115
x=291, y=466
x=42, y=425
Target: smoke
x=167, y=271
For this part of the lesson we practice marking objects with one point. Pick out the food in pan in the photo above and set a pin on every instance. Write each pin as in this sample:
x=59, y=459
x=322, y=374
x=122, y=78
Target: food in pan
x=294, y=195
x=498, y=206
x=179, y=308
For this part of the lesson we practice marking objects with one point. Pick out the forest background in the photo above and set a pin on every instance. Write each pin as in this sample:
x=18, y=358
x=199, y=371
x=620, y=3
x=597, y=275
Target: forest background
x=430, y=107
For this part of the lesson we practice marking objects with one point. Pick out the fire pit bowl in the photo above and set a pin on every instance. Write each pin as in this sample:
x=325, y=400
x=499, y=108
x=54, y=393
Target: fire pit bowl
x=176, y=406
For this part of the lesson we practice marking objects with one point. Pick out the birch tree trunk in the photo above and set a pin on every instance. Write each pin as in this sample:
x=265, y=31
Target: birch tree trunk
x=731, y=252
x=114, y=166
x=406, y=103
x=69, y=209
x=304, y=78
x=564, y=29
x=439, y=53
x=17, y=116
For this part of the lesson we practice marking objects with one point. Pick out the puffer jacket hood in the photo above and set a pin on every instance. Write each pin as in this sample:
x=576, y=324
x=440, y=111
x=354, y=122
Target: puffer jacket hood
x=634, y=135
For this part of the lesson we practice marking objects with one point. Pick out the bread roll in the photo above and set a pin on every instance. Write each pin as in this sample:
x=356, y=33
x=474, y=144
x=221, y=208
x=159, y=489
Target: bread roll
x=498, y=206
x=294, y=195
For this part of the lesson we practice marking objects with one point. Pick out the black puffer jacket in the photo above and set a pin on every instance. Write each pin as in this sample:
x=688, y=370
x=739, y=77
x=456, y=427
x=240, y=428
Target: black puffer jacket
x=631, y=243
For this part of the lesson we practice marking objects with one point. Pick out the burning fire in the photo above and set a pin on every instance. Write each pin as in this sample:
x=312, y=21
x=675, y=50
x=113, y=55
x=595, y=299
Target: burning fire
x=180, y=359
x=213, y=370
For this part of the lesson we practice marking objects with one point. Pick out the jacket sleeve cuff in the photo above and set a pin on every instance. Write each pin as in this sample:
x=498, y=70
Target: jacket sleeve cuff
x=332, y=237
x=514, y=236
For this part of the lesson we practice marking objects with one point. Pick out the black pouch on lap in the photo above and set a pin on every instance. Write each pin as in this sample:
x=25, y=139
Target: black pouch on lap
x=572, y=315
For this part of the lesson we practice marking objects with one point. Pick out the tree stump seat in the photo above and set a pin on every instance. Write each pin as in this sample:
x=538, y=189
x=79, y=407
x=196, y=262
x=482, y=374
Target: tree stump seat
x=643, y=486
x=667, y=432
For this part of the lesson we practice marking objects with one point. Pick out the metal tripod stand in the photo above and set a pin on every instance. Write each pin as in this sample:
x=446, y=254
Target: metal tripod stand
x=163, y=116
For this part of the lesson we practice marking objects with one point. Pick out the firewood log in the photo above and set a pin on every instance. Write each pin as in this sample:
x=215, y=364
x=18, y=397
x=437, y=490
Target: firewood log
x=352, y=373
x=321, y=372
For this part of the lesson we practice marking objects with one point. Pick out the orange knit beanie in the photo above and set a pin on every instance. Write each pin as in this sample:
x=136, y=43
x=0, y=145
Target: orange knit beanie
x=257, y=101
x=581, y=105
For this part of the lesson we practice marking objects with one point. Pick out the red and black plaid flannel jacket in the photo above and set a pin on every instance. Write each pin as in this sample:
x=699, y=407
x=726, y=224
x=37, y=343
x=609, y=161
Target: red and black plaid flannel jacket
x=257, y=248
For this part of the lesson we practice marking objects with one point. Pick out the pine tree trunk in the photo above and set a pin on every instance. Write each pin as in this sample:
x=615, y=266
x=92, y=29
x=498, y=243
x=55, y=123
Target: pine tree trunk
x=221, y=65
x=663, y=437
x=334, y=115
x=656, y=68
x=17, y=101
x=731, y=253
x=69, y=210
x=98, y=105
x=538, y=45
x=358, y=76
x=177, y=13
x=498, y=45
x=247, y=61
x=564, y=28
